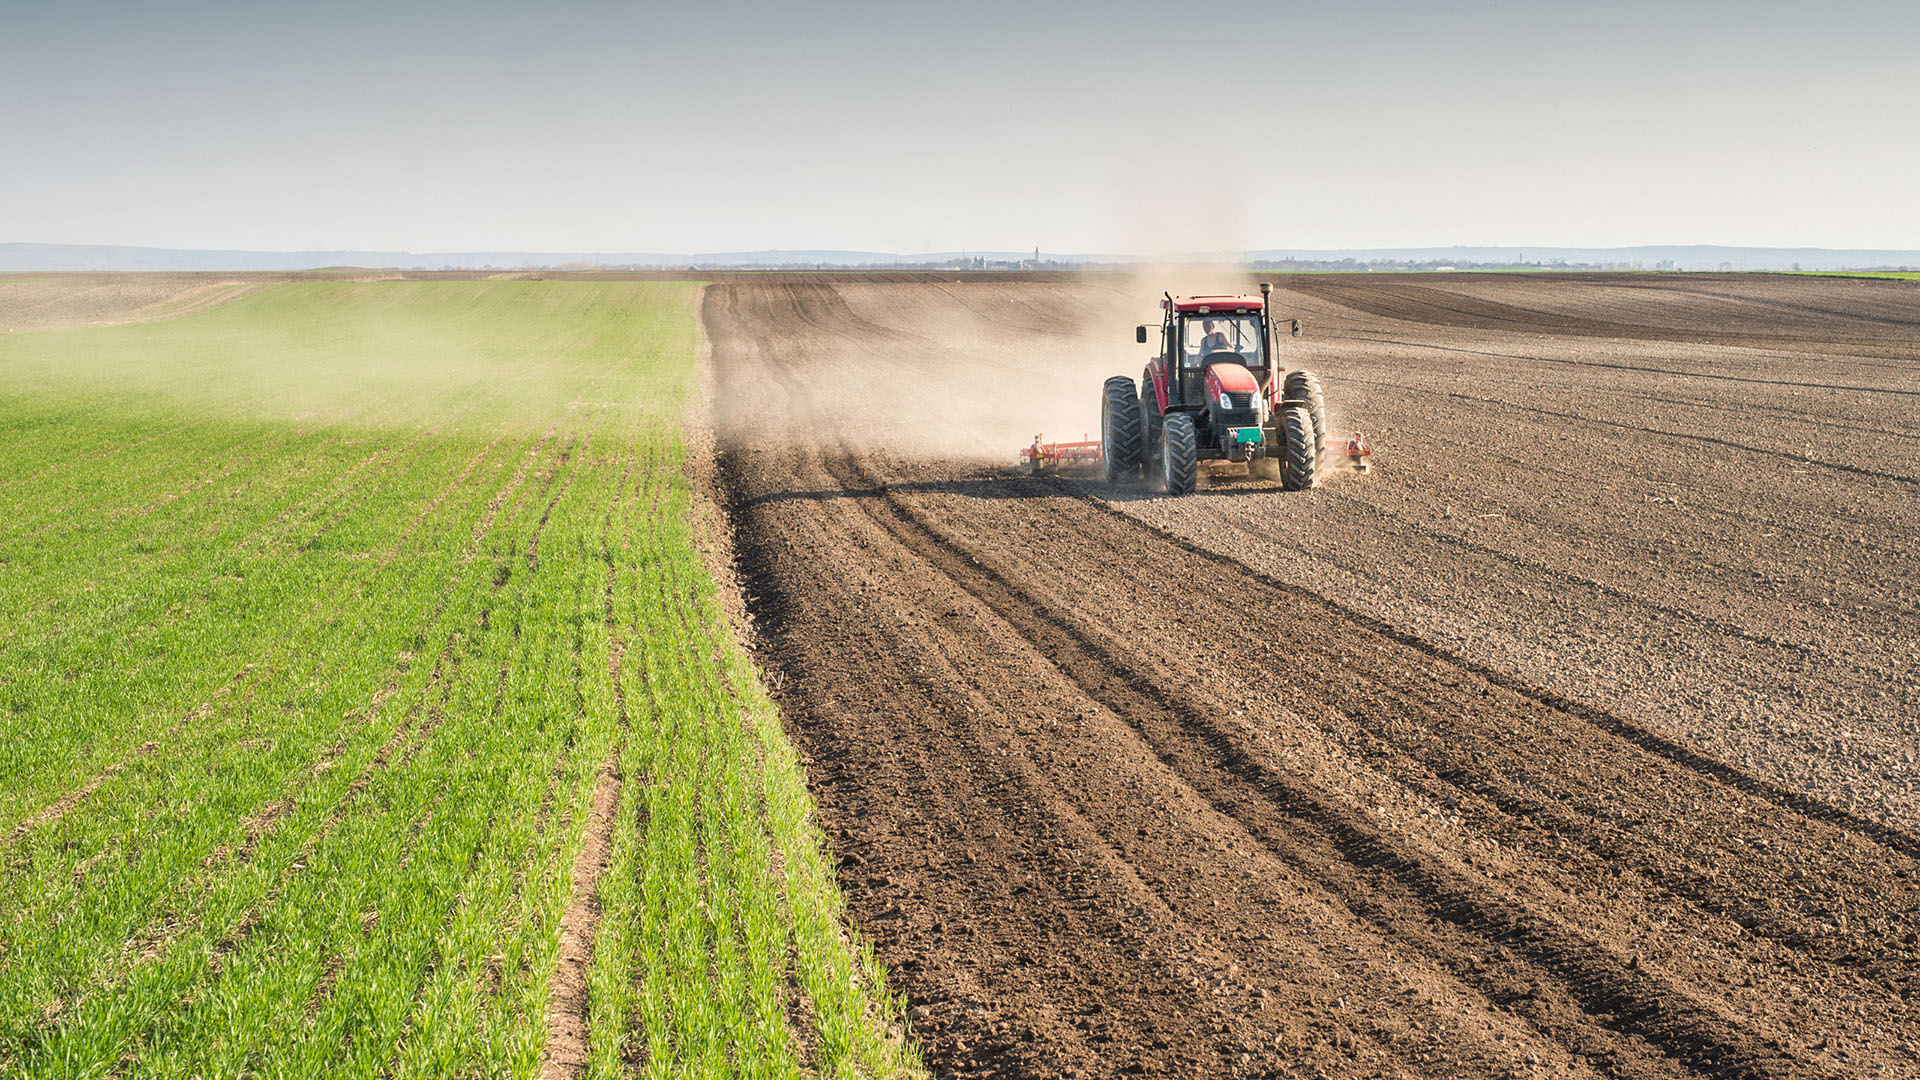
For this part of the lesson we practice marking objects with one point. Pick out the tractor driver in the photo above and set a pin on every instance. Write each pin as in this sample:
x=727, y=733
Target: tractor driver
x=1216, y=339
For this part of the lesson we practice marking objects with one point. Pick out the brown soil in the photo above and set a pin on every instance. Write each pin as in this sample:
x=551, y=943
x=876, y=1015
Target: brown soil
x=566, y=1052
x=65, y=300
x=1575, y=741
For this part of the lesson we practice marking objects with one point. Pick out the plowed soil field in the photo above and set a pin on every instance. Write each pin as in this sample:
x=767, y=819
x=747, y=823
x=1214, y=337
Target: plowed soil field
x=1578, y=739
x=68, y=300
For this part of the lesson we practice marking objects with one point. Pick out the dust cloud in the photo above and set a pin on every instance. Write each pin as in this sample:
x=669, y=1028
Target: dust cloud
x=973, y=369
x=68, y=300
x=476, y=356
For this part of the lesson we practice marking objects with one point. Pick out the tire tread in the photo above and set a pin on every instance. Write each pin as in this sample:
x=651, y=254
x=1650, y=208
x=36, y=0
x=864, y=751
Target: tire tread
x=1119, y=429
x=1305, y=386
x=1180, y=455
x=1301, y=468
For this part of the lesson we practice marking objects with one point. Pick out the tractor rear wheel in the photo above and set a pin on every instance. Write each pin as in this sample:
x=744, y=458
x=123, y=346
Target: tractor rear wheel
x=1179, y=454
x=1119, y=429
x=1149, y=424
x=1305, y=386
x=1302, y=464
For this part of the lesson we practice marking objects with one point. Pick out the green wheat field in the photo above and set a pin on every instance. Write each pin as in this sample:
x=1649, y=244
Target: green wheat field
x=332, y=619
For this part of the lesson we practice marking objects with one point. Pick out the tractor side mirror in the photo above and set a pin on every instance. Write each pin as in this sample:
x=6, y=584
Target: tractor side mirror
x=1296, y=327
x=1140, y=335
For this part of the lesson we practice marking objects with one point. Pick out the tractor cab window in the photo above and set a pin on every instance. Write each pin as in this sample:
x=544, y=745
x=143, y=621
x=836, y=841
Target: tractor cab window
x=1206, y=335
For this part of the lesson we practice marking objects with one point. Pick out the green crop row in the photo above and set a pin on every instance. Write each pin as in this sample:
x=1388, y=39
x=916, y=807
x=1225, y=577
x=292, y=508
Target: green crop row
x=324, y=616
x=1895, y=275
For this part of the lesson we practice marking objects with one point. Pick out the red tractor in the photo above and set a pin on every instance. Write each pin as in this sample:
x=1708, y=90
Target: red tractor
x=1216, y=393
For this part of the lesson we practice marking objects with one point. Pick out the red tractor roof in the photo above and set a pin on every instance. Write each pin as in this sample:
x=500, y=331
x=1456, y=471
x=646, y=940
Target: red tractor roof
x=1216, y=303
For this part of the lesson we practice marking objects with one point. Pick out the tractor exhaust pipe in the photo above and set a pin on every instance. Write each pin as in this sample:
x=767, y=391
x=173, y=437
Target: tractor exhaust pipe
x=1266, y=314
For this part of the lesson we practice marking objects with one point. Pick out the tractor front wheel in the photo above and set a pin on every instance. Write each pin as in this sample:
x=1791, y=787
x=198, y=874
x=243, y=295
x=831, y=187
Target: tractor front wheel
x=1302, y=463
x=1179, y=454
x=1119, y=429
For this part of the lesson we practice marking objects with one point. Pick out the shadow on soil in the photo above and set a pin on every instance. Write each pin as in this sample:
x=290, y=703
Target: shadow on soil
x=1000, y=487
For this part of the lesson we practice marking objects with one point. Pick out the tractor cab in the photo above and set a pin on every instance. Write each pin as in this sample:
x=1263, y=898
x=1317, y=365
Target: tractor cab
x=1199, y=332
x=1215, y=337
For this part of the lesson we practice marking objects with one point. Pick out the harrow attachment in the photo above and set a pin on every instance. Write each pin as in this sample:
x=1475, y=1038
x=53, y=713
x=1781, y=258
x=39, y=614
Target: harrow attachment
x=1044, y=457
x=1052, y=457
x=1359, y=454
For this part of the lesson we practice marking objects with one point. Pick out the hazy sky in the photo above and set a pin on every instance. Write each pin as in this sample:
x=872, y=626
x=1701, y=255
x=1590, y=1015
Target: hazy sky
x=958, y=125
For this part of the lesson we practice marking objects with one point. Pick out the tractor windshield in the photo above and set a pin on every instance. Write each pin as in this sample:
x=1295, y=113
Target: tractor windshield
x=1205, y=335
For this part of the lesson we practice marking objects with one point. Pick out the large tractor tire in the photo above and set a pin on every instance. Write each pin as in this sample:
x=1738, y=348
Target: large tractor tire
x=1304, y=386
x=1179, y=455
x=1149, y=424
x=1302, y=464
x=1120, y=429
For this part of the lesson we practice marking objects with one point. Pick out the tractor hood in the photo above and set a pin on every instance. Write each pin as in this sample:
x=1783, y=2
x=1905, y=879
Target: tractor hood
x=1230, y=378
